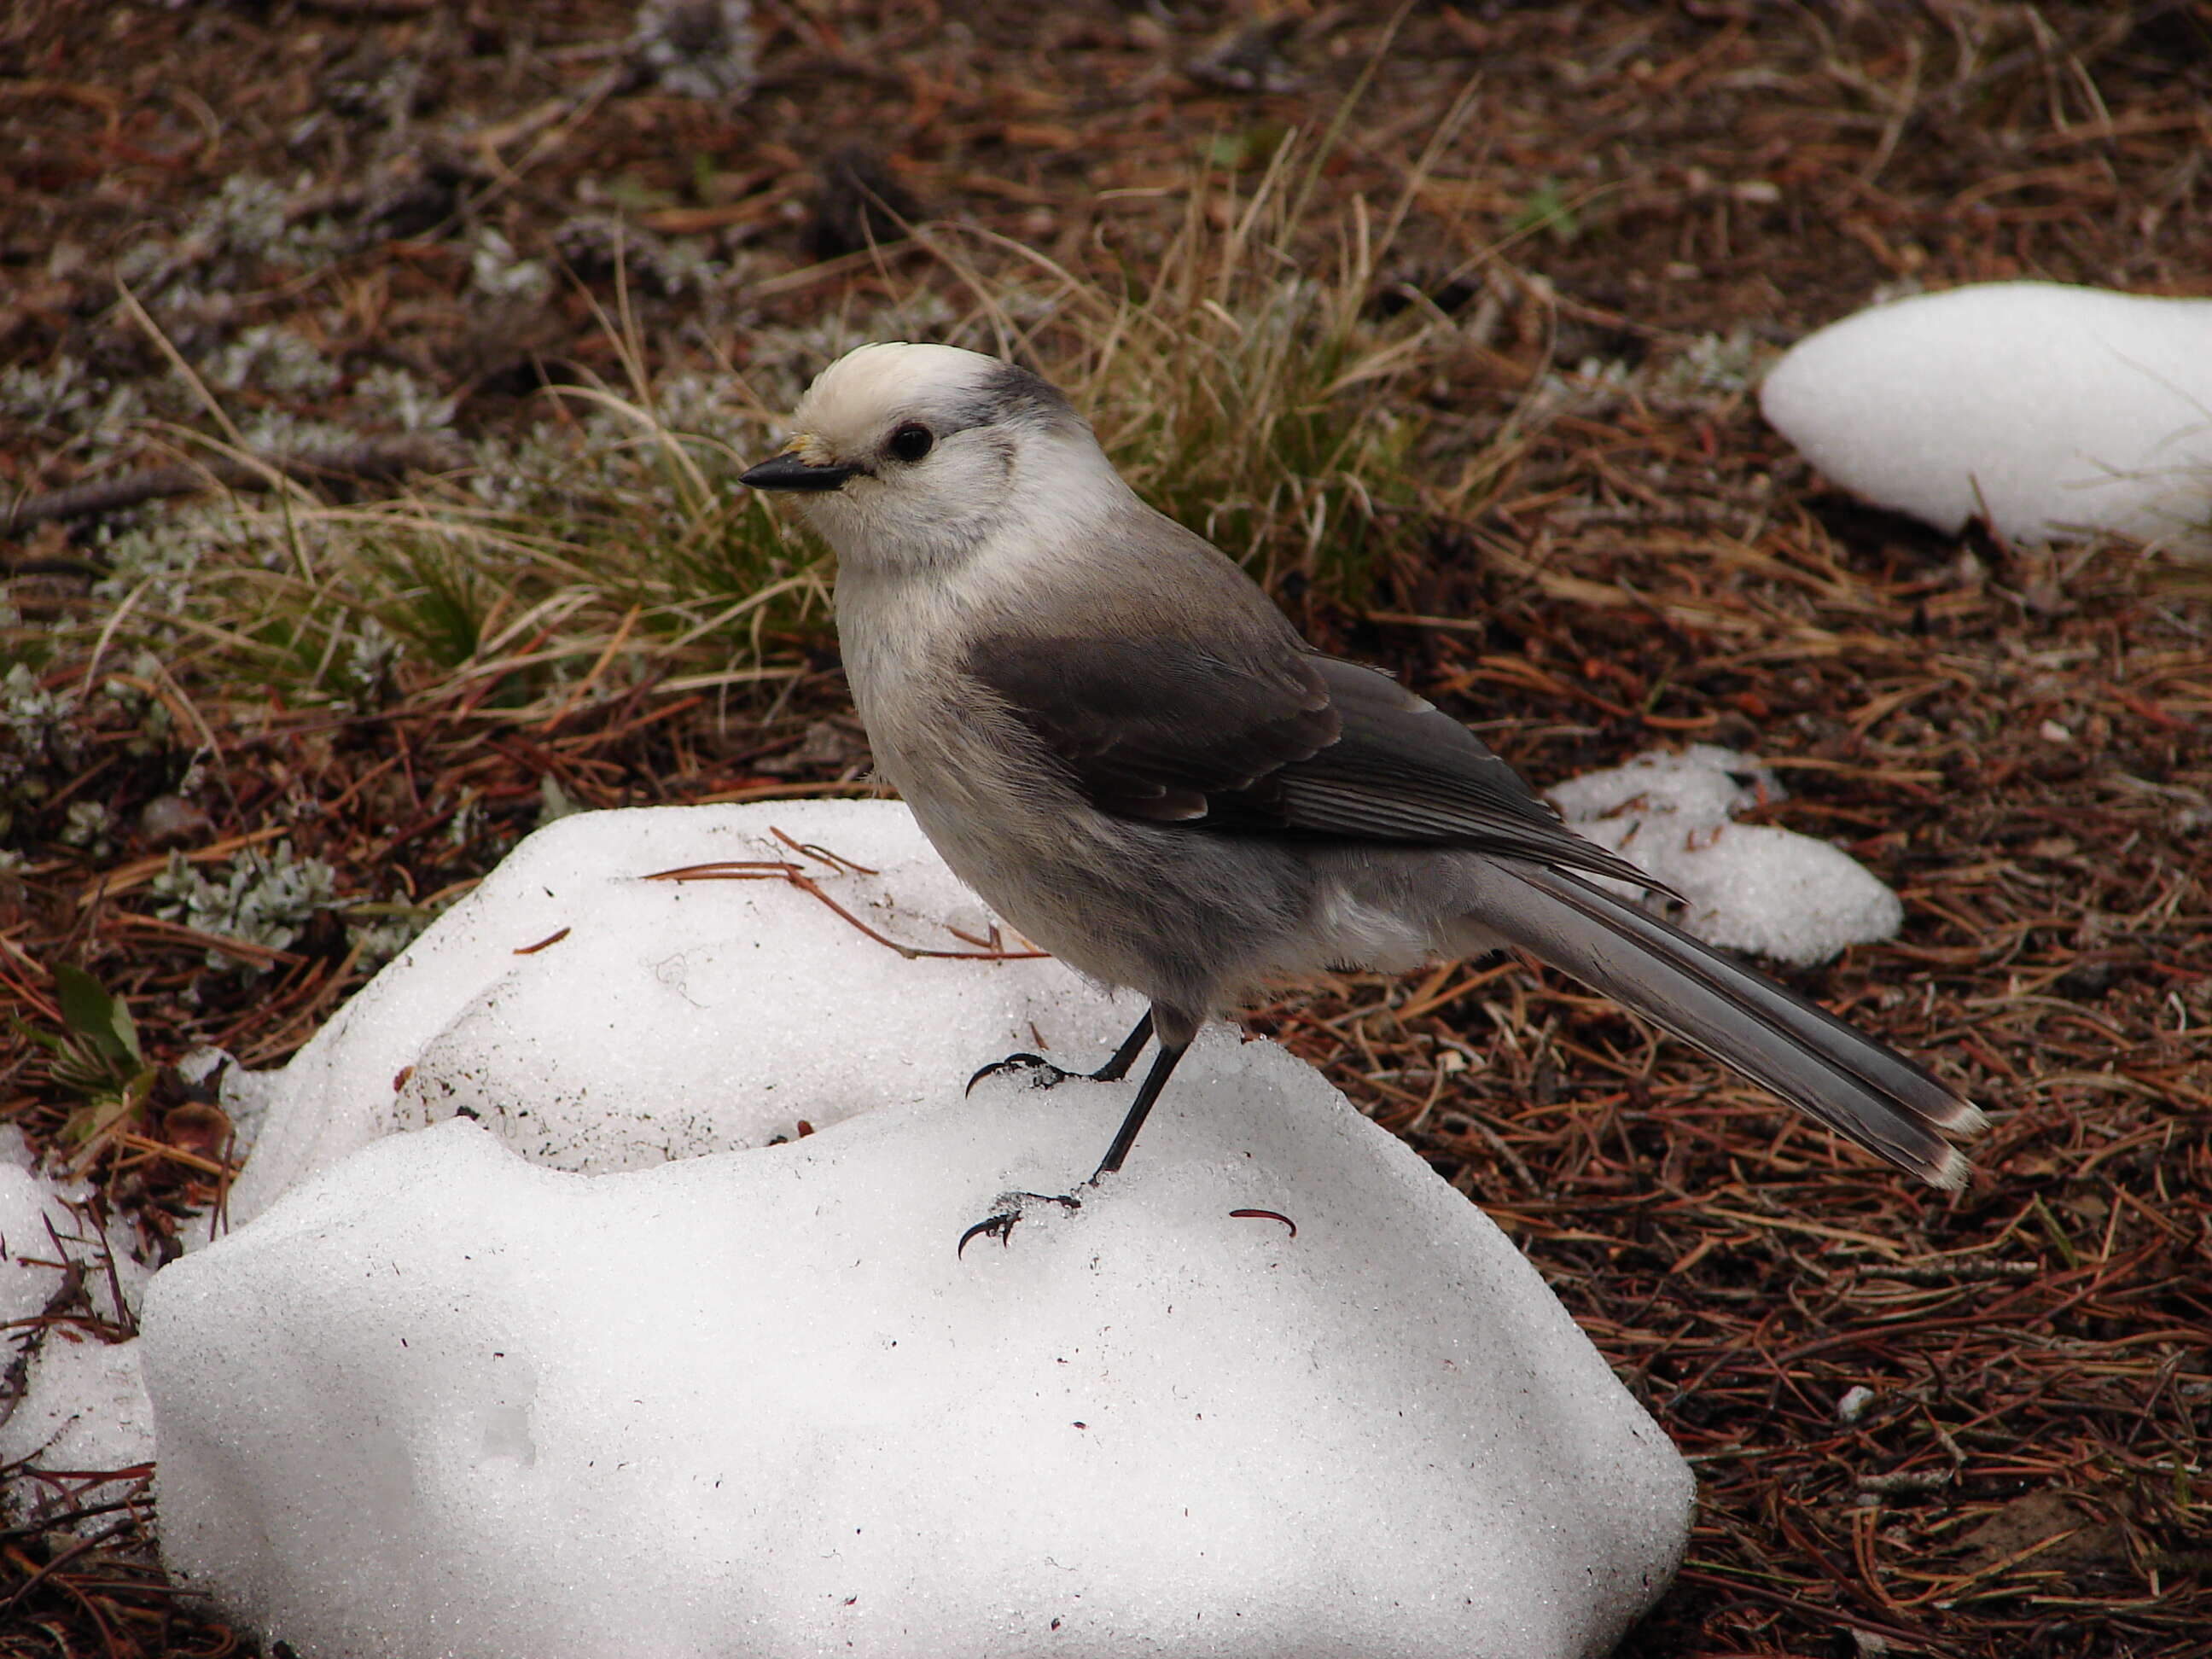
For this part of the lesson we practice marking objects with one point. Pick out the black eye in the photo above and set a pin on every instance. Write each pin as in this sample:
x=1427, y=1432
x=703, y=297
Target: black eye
x=912, y=441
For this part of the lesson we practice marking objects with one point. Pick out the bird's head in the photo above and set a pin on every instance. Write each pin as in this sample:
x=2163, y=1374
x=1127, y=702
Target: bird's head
x=913, y=455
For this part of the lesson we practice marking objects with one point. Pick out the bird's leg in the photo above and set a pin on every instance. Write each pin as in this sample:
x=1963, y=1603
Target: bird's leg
x=1046, y=1075
x=999, y=1224
x=1124, y=1057
x=1164, y=1066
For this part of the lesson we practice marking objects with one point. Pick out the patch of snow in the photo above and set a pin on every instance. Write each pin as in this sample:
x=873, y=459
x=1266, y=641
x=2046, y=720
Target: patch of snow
x=82, y=1430
x=47, y=1225
x=82, y=1410
x=30, y=1266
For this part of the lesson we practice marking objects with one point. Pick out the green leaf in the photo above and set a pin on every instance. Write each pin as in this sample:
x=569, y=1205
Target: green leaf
x=100, y=1019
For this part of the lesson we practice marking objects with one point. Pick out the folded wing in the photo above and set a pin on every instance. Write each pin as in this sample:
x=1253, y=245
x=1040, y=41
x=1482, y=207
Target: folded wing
x=1272, y=739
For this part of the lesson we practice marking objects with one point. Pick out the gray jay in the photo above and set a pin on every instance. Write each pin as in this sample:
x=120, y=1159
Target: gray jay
x=1114, y=738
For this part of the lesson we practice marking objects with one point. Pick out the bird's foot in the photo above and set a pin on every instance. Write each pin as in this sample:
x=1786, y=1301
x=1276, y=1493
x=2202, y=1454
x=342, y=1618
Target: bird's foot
x=999, y=1224
x=1043, y=1073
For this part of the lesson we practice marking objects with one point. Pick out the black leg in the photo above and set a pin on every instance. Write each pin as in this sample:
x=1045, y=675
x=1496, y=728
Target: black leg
x=1126, y=1056
x=1139, y=1109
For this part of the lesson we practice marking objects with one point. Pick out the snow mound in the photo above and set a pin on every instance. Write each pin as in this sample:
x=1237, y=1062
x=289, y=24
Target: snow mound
x=441, y=1401
x=1750, y=886
x=1275, y=1389
x=2049, y=409
x=598, y=1020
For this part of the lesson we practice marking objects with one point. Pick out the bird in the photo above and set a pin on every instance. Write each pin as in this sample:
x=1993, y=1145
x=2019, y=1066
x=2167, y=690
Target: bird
x=1113, y=735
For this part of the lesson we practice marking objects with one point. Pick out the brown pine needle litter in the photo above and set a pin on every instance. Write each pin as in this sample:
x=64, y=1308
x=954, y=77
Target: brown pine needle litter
x=368, y=439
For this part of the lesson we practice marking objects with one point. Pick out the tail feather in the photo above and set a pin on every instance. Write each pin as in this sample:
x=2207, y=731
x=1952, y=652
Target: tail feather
x=1856, y=1085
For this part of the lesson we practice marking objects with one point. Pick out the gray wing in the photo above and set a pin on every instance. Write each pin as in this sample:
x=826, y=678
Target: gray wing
x=1272, y=742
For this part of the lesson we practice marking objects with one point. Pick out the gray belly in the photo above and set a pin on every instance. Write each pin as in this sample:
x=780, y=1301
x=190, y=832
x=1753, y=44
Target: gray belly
x=1186, y=919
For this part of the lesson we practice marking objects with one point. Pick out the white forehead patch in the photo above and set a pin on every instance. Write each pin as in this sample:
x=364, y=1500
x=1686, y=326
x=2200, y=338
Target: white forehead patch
x=858, y=391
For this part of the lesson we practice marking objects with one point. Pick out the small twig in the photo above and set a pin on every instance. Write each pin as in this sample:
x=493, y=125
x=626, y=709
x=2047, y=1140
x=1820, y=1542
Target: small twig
x=1966, y=1270
x=836, y=861
x=124, y=1316
x=1897, y=1480
x=175, y=1154
x=778, y=870
x=84, y=1546
x=374, y=460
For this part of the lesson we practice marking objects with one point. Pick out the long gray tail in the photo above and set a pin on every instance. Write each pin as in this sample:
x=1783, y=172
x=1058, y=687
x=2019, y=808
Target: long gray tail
x=1860, y=1087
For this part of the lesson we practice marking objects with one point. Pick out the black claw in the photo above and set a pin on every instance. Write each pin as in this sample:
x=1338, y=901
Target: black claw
x=999, y=1225
x=1047, y=1075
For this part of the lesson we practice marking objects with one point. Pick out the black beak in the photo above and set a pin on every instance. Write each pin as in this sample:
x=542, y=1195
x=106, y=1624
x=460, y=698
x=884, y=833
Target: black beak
x=789, y=472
